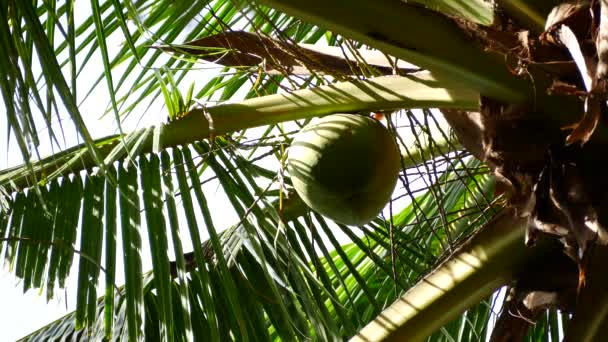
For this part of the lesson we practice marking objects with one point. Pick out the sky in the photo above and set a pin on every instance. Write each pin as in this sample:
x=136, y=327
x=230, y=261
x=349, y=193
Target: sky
x=22, y=313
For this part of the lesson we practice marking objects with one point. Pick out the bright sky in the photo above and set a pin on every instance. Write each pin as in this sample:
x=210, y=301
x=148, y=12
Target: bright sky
x=24, y=313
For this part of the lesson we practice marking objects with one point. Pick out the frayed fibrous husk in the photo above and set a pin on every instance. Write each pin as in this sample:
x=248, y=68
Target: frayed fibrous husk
x=561, y=189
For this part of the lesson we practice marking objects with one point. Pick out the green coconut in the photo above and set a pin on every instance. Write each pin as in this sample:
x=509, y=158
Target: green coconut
x=344, y=166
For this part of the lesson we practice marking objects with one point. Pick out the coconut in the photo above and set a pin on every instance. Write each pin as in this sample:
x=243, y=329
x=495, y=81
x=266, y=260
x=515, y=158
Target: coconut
x=344, y=166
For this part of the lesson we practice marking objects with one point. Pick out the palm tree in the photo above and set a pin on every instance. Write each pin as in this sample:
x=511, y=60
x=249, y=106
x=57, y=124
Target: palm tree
x=508, y=76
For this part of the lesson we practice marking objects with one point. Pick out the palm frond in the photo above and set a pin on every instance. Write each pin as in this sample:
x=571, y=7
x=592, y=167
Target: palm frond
x=288, y=265
x=441, y=50
x=265, y=268
x=383, y=93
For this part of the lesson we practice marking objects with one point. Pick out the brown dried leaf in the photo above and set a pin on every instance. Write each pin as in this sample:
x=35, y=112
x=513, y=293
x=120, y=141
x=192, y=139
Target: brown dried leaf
x=563, y=12
x=541, y=300
x=569, y=193
x=559, y=69
x=585, y=128
x=235, y=48
x=563, y=88
x=573, y=14
x=602, y=42
x=584, y=64
x=240, y=48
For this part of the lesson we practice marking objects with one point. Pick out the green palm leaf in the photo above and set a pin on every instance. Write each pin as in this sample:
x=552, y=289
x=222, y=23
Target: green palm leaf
x=235, y=253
